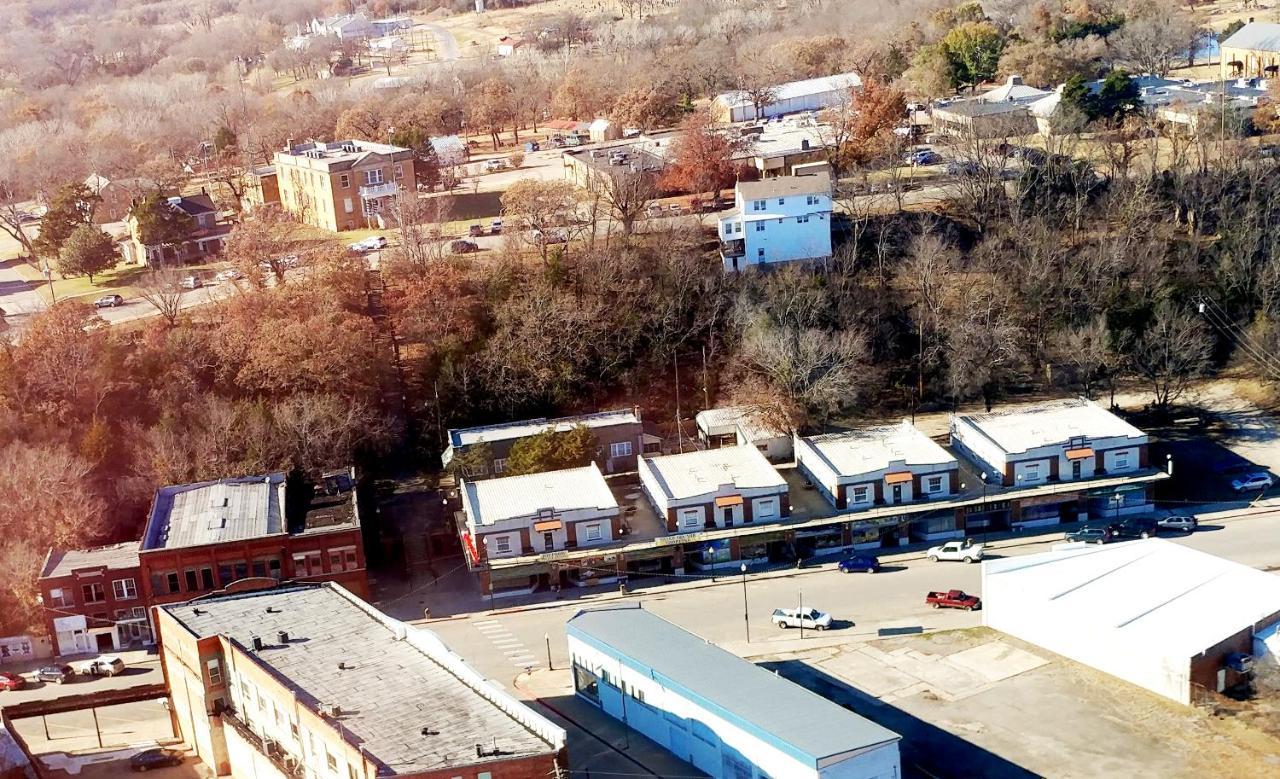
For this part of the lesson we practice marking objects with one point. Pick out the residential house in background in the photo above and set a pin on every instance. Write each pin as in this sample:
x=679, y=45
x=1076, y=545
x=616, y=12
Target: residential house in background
x=729, y=717
x=94, y=600
x=342, y=185
x=116, y=196
x=211, y=536
x=619, y=439
x=813, y=94
x=885, y=465
x=777, y=220
x=262, y=189
x=391, y=25
x=309, y=680
x=344, y=27
x=537, y=513
x=508, y=45
x=1254, y=50
x=1015, y=91
x=714, y=488
x=205, y=239
x=976, y=118
x=744, y=426
x=1058, y=441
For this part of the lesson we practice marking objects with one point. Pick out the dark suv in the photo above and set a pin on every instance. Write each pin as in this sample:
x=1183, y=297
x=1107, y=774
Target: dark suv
x=1133, y=528
x=58, y=674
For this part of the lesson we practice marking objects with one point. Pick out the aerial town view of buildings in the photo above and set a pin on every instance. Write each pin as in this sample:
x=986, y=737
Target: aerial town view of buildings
x=500, y=389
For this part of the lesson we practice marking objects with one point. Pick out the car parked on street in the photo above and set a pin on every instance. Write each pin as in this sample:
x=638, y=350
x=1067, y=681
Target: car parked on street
x=1181, y=523
x=109, y=301
x=953, y=599
x=962, y=168
x=1089, y=535
x=191, y=282
x=965, y=551
x=461, y=246
x=794, y=618
x=859, y=562
x=1133, y=527
x=58, y=674
x=10, y=681
x=158, y=757
x=106, y=665
x=370, y=244
x=228, y=274
x=1253, y=481
x=922, y=157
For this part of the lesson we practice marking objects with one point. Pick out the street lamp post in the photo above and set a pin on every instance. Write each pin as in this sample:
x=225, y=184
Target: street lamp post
x=547, y=637
x=746, y=622
x=800, y=616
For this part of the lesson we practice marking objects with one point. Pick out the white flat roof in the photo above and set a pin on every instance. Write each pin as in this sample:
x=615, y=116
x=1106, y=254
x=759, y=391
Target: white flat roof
x=495, y=500
x=692, y=474
x=750, y=420
x=1158, y=595
x=1022, y=428
x=794, y=89
x=512, y=430
x=871, y=449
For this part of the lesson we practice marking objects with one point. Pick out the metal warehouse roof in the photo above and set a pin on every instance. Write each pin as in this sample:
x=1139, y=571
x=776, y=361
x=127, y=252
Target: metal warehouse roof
x=494, y=500
x=1260, y=36
x=751, y=421
x=692, y=474
x=512, y=430
x=214, y=512
x=874, y=448
x=1166, y=598
x=796, y=89
x=1021, y=428
x=761, y=702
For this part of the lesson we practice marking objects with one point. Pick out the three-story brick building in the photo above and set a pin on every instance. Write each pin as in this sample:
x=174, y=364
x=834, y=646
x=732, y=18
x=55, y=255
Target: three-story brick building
x=342, y=185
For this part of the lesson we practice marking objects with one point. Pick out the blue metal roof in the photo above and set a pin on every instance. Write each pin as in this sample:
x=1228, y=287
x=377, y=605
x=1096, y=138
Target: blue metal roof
x=781, y=713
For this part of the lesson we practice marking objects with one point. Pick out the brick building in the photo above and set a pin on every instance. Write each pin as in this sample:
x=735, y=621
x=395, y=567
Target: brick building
x=93, y=599
x=307, y=680
x=342, y=185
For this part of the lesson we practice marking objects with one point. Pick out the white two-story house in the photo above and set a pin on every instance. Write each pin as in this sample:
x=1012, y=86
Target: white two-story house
x=777, y=220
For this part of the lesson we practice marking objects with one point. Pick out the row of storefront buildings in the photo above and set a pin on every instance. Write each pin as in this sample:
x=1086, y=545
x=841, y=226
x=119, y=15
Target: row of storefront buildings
x=750, y=493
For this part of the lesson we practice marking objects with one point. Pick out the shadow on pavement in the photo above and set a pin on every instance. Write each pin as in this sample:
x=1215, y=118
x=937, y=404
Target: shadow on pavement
x=927, y=750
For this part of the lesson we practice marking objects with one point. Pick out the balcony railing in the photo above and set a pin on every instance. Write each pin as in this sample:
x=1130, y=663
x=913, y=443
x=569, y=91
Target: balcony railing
x=385, y=189
x=736, y=248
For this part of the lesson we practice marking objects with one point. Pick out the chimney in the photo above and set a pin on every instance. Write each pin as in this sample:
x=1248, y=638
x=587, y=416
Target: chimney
x=804, y=144
x=1015, y=81
x=288, y=144
x=283, y=636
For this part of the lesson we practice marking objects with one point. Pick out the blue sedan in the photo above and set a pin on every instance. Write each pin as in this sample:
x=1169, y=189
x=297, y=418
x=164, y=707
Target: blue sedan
x=859, y=563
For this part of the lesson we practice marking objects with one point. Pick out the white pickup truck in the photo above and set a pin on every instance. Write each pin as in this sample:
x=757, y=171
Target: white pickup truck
x=957, y=550
x=794, y=618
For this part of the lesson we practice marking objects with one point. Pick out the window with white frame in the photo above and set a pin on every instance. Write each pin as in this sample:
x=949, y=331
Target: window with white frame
x=933, y=484
x=620, y=449
x=811, y=200
x=93, y=593
x=1031, y=471
x=593, y=533
x=760, y=254
x=1121, y=459
x=691, y=517
x=501, y=544
x=399, y=171
x=344, y=180
x=499, y=464
x=803, y=219
x=767, y=508
x=215, y=670
x=859, y=495
x=737, y=227
x=373, y=176
x=124, y=589
x=757, y=205
x=347, y=205
x=782, y=201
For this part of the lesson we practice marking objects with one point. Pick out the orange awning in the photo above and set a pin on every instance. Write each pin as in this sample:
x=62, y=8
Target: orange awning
x=1079, y=454
x=898, y=478
x=729, y=500
x=551, y=524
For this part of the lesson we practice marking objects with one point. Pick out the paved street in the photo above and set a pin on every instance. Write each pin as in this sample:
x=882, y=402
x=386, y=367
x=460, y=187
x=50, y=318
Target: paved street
x=448, y=48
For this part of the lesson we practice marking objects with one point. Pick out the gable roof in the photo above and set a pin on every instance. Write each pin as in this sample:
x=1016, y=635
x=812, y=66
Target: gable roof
x=805, y=725
x=783, y=186
x=1259, y=36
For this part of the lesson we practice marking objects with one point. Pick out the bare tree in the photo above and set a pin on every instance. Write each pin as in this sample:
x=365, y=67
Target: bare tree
x=539, y=209
x=627, y=192
x=163, y=290
x=814, y=370
x=420, y=220
x=1091, y=351
x=1173, y=351
x=984, y=344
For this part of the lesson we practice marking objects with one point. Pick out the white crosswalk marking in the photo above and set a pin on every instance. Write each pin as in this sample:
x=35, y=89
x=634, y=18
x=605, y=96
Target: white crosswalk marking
x=510, y=646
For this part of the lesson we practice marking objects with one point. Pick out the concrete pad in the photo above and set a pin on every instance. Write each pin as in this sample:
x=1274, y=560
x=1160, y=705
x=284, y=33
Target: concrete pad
x=866, y=673
x=996, y=660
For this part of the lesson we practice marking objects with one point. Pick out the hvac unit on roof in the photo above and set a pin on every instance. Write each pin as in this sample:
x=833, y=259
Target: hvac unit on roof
x=349, y=147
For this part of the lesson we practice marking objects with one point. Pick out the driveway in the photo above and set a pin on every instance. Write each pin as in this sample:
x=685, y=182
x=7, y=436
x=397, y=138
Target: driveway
x=448, y=48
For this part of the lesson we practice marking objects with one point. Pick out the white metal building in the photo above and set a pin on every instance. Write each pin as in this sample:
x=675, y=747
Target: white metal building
x=777, y=220
x=725, y=715
x=741, y=426
x=1154, y=613
x=715, y=488
x=812, y=94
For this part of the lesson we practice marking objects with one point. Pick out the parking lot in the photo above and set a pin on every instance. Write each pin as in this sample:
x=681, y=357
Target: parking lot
x=1002, y=708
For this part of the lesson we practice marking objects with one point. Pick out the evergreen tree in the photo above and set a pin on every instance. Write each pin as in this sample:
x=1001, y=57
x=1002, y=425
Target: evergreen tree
x=87, y=251
x=71, y=207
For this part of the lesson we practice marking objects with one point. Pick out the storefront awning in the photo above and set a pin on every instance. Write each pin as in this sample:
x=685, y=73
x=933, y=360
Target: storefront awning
x=1079, y=454
x=729, y=500
x=898, y=478
x=550, y=524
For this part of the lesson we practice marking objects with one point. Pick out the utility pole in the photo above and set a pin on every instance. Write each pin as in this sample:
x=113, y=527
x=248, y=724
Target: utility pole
x=706, y=398
x=675, y=362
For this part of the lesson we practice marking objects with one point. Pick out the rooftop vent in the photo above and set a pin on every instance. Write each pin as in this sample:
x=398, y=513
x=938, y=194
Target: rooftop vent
x=429, y=731
x=331, y=710
x=342, y=665
x=197, y=612
x=272, y=610
x=257, y=643
x=283, y=636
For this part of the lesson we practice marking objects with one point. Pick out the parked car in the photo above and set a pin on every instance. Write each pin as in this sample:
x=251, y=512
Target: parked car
x=491, y=165
x=1181, y=523
x=159, y=757
x=495, y=227
x=1253, y=481
x=961, y=168
x=1089, y=535
x=794, y=618
x=109, y=301
x=228, y=274
x=549, y=237
x=923, y=157
x=27, y=218
x=475, y=231
x=461, y=246
x=10, y=681
x=532, y=146
x=1133, y=527
x=953, y=599
x=859, y=562
x=58, y=674
x=370, y=244
x=106, y=665
x=191, y=282
x=966, y=551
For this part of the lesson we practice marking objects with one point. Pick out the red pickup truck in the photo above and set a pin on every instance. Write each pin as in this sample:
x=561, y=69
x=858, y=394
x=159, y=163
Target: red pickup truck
x=953, y=599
